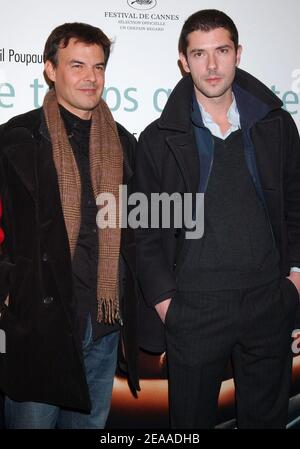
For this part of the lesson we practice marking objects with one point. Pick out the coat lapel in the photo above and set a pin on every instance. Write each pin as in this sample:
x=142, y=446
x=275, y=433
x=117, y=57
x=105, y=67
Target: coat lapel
x=176, y=117
x=183, y=146
x=23, y=160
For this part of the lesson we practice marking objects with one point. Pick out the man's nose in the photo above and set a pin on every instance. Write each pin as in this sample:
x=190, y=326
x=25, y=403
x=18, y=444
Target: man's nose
x=90, y=74
x=212, y=63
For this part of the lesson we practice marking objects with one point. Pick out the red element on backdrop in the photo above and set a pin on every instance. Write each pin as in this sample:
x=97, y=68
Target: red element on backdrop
x=1, y=231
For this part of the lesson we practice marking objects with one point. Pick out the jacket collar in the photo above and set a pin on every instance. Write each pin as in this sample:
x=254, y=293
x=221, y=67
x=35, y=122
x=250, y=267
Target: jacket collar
x=20, y=131
x=254, y=101
x=177, y=111
x=18, y=148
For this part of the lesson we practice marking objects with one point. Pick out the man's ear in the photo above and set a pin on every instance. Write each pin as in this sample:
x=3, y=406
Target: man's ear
x=238, y=55
x=50, y=71
x=184, y=62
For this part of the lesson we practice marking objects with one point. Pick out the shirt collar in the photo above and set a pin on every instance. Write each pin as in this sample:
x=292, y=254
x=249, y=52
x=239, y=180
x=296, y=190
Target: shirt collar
x=232, y=114
x=73, y=122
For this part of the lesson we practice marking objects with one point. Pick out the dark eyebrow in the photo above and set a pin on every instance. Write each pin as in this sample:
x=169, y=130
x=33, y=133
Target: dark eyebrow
x=223, y=46
x=195, y=50
x=75, y=61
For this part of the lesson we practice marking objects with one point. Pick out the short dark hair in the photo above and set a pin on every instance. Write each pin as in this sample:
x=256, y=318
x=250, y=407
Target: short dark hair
x=207, y=20
x=82, y=32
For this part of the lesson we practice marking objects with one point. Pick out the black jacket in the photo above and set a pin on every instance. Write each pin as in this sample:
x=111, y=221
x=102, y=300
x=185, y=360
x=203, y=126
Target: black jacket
x=43, y=360
x=168, y=161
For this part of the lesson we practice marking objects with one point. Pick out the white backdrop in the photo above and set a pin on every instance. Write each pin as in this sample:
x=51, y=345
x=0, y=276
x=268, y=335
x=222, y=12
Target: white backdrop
x=143, y=66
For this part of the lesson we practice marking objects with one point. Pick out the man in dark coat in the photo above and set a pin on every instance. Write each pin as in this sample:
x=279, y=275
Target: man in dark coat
x=235, y=291
x=67, y=285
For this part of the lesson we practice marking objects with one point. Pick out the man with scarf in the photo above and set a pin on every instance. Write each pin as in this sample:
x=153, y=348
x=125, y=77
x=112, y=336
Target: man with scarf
x=67, y=286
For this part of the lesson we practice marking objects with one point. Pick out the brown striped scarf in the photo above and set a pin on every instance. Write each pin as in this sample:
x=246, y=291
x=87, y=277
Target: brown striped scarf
x=106, y=168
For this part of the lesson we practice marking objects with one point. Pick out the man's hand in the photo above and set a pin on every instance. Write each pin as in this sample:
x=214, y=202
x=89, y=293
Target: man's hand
x=162, y=308
x=6, y=302
x=294, y=277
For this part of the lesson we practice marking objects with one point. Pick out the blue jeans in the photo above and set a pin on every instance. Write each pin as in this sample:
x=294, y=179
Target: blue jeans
x=100, y=358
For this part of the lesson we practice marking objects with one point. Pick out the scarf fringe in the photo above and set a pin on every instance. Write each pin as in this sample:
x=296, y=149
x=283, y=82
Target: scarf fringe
x=108, y=311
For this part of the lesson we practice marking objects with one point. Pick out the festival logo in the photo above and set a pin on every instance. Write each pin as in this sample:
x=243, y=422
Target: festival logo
x=142, y=4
